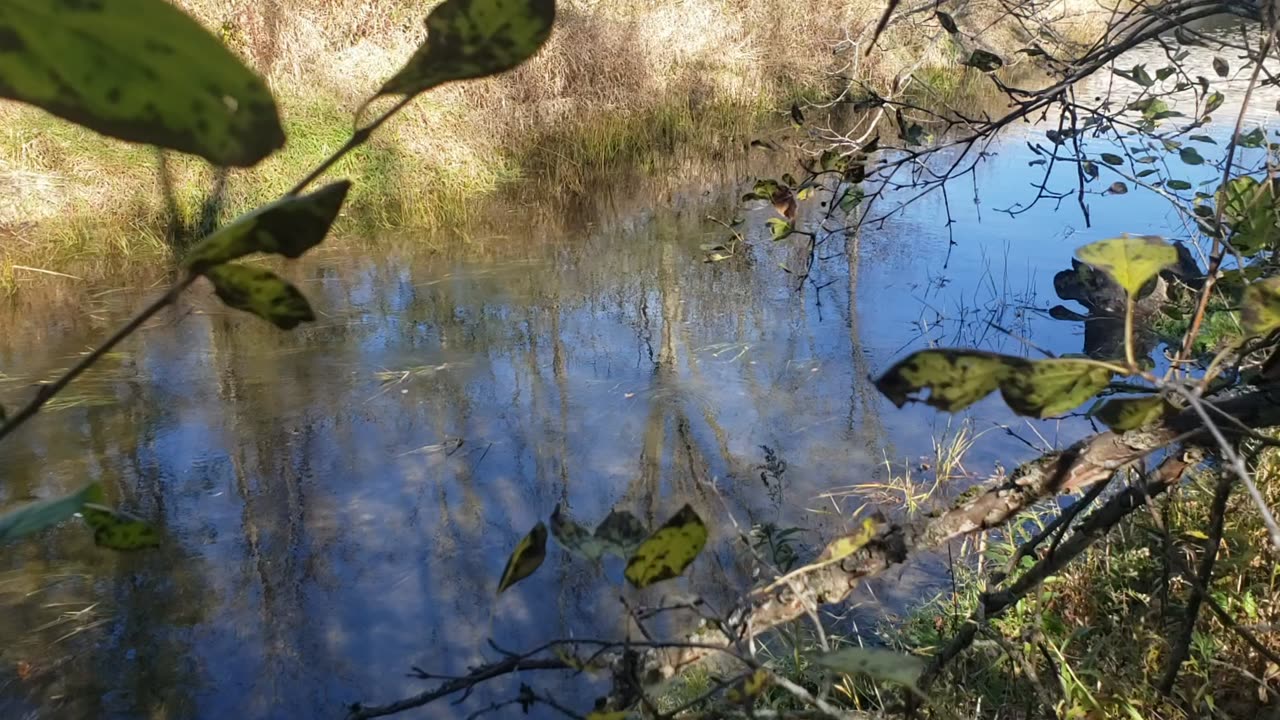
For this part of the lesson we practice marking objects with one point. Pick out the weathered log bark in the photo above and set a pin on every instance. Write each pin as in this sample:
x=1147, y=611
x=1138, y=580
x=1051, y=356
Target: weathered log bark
x=1093, y=459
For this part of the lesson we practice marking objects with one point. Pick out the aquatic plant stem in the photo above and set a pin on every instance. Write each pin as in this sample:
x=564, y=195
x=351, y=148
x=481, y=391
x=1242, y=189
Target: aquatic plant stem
x=47, y=391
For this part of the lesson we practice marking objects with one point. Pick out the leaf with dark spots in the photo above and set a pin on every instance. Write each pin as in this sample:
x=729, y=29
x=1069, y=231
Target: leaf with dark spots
x=260, y=292
x=97, y=65
x=287, y=227
x=669, y=550
x=471, y=39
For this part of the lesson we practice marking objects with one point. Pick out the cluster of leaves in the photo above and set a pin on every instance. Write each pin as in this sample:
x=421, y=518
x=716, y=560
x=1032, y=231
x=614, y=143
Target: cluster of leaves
x=955, y=379
x=651, y=557
x=144, y=71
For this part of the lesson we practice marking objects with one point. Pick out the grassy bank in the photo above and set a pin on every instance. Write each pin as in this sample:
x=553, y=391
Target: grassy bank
x=617, y=80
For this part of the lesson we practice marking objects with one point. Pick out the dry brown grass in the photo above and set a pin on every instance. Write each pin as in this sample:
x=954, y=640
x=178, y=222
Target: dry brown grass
x=615, y=77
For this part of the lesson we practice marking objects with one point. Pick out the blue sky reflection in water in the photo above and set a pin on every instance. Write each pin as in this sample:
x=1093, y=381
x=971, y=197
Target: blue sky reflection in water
x=338, y=502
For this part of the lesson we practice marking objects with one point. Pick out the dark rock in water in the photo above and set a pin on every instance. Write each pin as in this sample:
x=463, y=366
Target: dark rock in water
x=1105, y=301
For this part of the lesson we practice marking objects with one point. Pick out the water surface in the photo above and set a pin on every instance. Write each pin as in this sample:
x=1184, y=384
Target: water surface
x=338, y=502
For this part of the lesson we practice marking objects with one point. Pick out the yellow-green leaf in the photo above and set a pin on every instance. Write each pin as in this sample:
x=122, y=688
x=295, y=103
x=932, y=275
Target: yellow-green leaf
x=609, y=715
x=1131, y=261
x=1124, y=414
x=843, y=547
x=118, y=530
x=260, y=292
x=37, y=516
x=140, y=70
x=955, y=378
x=1260, y=307
x=526, y=558
x=876, y=663
x=287, y=227
x=669, y=550
x=1044, y=388
x=474, y=38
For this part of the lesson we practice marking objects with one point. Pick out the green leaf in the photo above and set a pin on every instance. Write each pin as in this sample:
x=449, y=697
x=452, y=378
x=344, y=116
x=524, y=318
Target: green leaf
x=1190, y=156
x=1131, y=260
x=1203, y=139
x=526, y=558
x=1178, y=185
x=287, y=227
x=1260, y=307
x=851, y=199
x=139, y=70
x=573, y=537
x=955, y=379
x=620, y=533
x=1052, y=387
x=1255, y=138
x=876, y=663
x=669, y=550
x=117, y=530
x=1124, y=414
x=1250, y=208
x=984, y=61
x=260, y=292
x=472, y=39
x=37, y=516
x=1213, y=102
x=1112, y=159
x=946, y=21
x=1220, y=66
x=1118, y=188
x=779, y=229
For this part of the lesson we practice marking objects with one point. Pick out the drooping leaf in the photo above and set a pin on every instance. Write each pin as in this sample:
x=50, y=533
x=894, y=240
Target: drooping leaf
x=851, y=199
x=955, y=379
x=984, y=61
x=471, y=39
x=1089, y=169
x=1213, y=102
x=1250, y=208
x=620, y=533
x=797, y=117
x=876, y=663
x=526, y=558
x=669, y=550
x=260, y=292
x=1255, y=138
x=947, y=22
x=1112, y=159
x=36, y=516
x=1118, y=188
x=287, y=227
x=117, y=530
x=1260, y=307
x=1130, y=260
x=139, y=70
x=1203, y=139
x=1190, y=156
x=573, y=537
x=779, y=228
x=1051, y=387
x=1124, y=414
x=1220, y=66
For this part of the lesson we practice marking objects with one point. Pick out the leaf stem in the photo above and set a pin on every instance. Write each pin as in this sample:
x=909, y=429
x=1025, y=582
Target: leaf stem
x=1129, y=308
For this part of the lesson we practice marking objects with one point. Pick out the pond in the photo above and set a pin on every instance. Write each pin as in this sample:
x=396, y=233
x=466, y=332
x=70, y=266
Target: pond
x=337, y=503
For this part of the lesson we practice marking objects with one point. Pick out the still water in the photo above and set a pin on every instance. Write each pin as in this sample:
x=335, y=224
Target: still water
x=338, y=502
